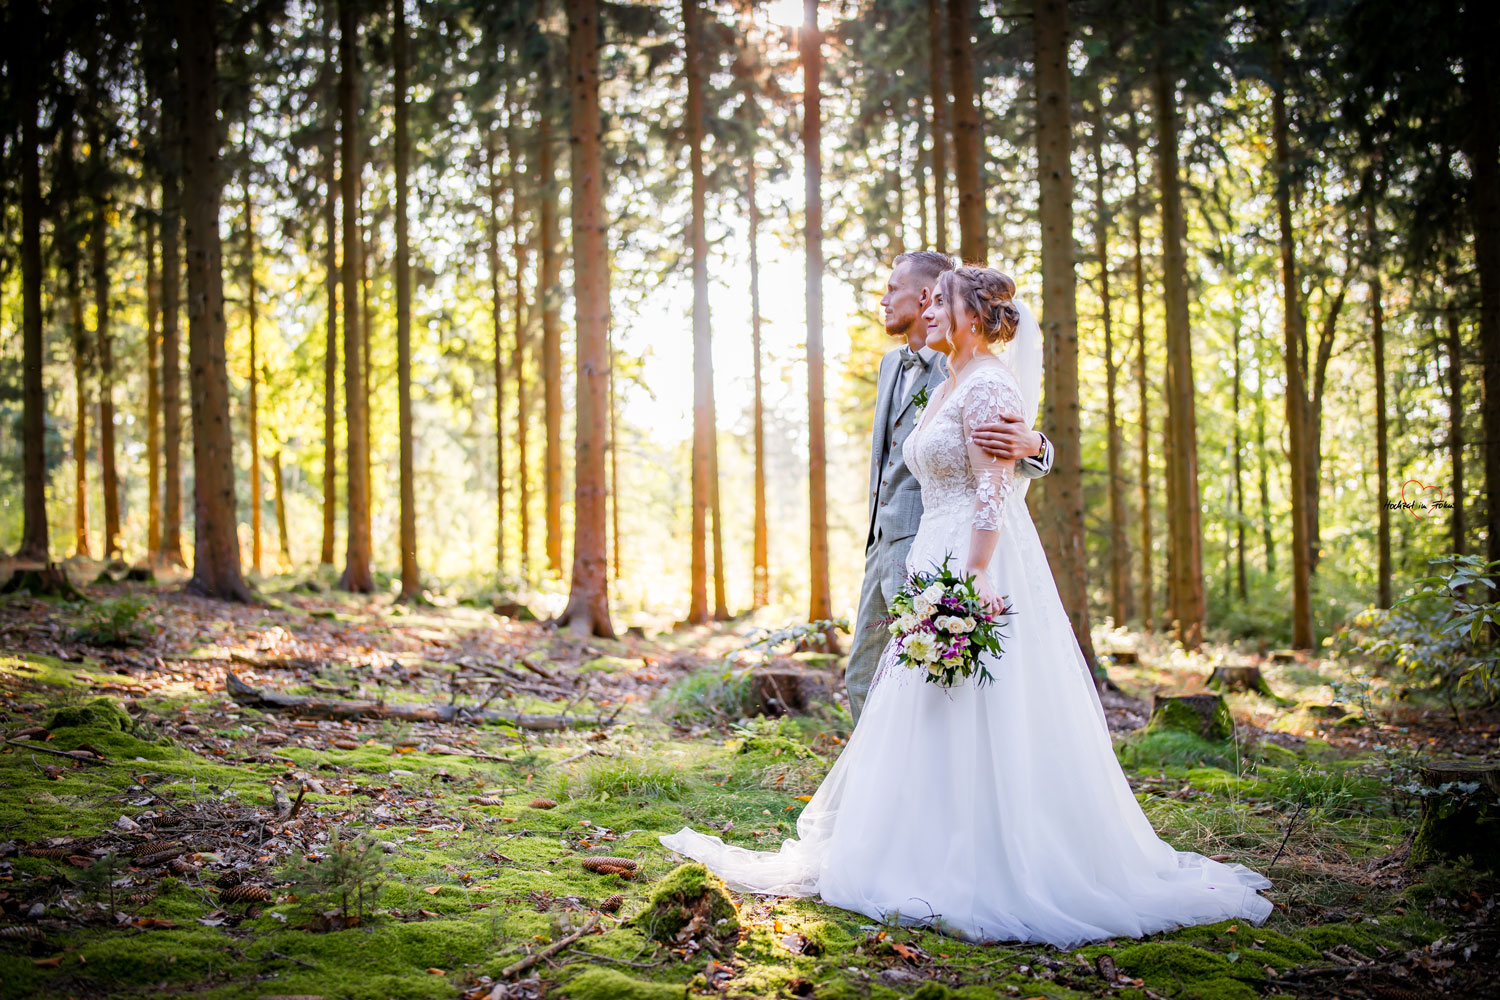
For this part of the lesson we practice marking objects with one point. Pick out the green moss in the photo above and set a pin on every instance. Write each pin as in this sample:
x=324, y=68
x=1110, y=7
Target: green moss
x=1176, y=716
x=1215, y=779
x=608, y=984
x=608, y=665
x=1204, y=974
x=98, y=713
x=1153, y=748
x=686, y=892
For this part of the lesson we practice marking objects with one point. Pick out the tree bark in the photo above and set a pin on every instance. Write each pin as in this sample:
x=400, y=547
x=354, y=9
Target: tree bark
x=1119, y=549
x=968, y=138
x=1239, y=476
x=1065, y=532
x=1294, y=328
x=35, y=544
x=1185, y=576
x=518, y=351
x=410, y=583
x=1314, y=427
x=357, y=576
x=1268, y=539
x=760, y=572
x=938, y=86
x=820, y=605
x=331, y=291
x=587, y=611
x=1382, y=451
x=254, y=385
x=216, y=550
x=153, y=397
x=492, y=238
x=68, y=251
x=1456, y=427
x=1137, y=209
x=703, y=429
x=1480, y=86
x=550, y=294
x=278, y=485
x=171, y=311
x=103, y=347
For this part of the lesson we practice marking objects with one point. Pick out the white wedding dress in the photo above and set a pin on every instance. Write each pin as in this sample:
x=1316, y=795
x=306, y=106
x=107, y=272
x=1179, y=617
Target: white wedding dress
x=995, y=812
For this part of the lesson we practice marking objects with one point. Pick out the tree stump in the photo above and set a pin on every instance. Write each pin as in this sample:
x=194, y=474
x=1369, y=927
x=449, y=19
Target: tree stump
x=786, y=687
x=514, y=610
x=1206, y=715
x=1125, y=657
x=1242, y=677
x=1458, y=822
x=49, y=581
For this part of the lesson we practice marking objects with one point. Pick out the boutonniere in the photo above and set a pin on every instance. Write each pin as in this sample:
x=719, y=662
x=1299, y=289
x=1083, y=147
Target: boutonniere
x=920, y=399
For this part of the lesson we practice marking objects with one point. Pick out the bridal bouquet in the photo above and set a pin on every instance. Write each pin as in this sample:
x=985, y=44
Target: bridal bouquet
x=942, y=629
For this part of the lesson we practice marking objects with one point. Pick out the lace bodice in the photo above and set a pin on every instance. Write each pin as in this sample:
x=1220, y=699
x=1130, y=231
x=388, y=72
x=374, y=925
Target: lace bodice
x=955, y=474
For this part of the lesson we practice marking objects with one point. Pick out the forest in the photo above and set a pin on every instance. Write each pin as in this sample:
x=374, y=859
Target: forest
x=419, y=408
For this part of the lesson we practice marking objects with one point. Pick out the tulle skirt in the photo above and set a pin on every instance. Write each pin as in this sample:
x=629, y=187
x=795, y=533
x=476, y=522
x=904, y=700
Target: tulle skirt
x=993, y=813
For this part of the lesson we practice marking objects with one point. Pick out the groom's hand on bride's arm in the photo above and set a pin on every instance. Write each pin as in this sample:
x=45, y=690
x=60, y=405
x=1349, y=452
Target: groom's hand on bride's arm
x=1009, y=439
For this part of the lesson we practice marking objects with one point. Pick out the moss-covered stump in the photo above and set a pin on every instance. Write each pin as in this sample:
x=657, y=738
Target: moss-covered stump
x=1242, y=677
x=1207, y=715
x=1461, y=818
x=98, y=713
x=787, y=687
x=608, y=984
x=49, y=581
x=689, y=899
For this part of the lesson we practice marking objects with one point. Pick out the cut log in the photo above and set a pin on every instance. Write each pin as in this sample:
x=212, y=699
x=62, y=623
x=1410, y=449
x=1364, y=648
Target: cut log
x=787, y=687
x=1240, y=678
x=49, y=581
x=1204, y=714
x=339, y=708
x=1460, y=821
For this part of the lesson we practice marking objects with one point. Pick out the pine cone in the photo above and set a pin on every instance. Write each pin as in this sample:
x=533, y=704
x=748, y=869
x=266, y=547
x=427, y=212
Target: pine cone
x=149, y=847
x=488, y=800
x=623, y=867
x=181, y=866
x=613, y=903
x=23, y=932
x=50, y=853
x=228, y=880
x=543, y=804
x=140, y=898
x=166, y=856
x=245, y=894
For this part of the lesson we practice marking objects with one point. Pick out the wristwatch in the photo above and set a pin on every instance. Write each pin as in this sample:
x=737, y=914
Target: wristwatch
x=1043, y=449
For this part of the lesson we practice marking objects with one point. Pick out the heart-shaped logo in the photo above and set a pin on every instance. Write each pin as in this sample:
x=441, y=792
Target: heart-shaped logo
x=1416, y=505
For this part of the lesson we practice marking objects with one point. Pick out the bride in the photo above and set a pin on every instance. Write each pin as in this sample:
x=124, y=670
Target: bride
x=993, y=813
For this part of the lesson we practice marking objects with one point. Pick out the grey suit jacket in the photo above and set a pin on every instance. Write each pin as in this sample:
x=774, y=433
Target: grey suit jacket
x=895, y=496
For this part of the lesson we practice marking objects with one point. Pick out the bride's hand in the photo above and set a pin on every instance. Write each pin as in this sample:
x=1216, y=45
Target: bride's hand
x=987, y=597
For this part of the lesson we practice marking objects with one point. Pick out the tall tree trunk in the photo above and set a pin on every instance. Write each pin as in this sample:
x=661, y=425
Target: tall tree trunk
x=216, y=549
x=1183, y=506
x=968, y=138
x=820, y=605
x=1268, y=539
x=171, y=310
x=1065, y=531
x=1137, y=209
x=1239, y=472
x=153, y=397
x=1382, y=454
x=279, y=487
x=614, y=471
x=1314, y=426
x=518, y=351
x=937, y=39
x=550, y=295
x=760, y=572
x=587, y=611
x=492, y=240
x=104, y=348
x=1484, y=204
x=1119, y=548
x=703, y=371
x=331, y=291
x=1294, y=328
x=254, y=417
x=357, y=576
x=35, y=544
x=721, y=601
x=1456, y=426
x=80, y=339
x=410, y=584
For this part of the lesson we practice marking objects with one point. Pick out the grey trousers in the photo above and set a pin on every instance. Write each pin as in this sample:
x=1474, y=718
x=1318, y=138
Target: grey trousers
x=885, y=570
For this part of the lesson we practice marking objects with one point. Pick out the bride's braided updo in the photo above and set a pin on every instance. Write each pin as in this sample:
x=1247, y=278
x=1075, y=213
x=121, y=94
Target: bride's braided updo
x=989, y=297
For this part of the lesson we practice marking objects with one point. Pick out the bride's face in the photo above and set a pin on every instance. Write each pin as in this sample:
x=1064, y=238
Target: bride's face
x=938, y=325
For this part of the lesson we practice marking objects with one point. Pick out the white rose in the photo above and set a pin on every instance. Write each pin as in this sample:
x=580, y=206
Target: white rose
x=922, y=606
x=947, y=623
x=962, y=625
x=920, y=648
x=908, y=623
x=935, y=593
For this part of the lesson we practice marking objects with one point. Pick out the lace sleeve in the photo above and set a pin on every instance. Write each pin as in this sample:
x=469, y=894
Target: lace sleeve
x=989, y=395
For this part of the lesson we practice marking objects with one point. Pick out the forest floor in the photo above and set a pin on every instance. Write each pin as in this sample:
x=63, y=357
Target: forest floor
x=161, y=839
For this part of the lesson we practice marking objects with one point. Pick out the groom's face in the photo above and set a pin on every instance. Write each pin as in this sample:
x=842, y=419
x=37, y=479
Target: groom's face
x=904, y=299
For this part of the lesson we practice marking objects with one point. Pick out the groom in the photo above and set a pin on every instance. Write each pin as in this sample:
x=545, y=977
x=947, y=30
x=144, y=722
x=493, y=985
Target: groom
x=895, y=497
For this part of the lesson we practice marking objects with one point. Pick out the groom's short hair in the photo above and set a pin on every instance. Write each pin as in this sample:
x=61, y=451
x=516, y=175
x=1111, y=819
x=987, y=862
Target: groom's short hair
x=928, y=264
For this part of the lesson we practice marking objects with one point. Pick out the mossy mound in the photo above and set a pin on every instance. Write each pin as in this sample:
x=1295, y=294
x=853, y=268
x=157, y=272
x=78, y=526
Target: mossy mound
x=98, y=713
x=688, y=894
x=1203, y=974
x=1206, y=715
x=608, y=984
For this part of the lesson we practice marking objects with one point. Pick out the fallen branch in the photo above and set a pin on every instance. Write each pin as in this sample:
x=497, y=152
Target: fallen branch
x=70, y=754
x=338, y=708
x=550, y=950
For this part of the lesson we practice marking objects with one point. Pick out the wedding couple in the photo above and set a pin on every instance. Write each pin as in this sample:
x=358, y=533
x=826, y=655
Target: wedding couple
x=995, y=812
